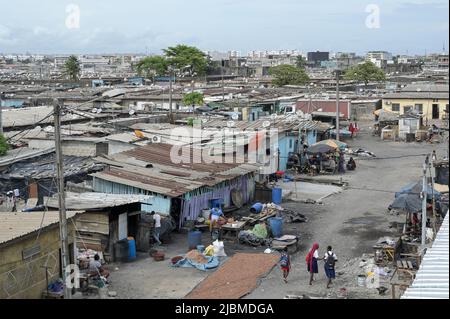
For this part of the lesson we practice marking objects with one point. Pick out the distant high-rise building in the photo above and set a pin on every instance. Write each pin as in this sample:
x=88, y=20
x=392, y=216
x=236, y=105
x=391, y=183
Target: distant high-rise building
x=317, y=57
x=379, y=55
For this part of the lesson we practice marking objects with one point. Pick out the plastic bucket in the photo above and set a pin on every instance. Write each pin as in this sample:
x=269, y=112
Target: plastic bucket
x=194, y=239
x=276, y=225
x=131, y=249
x=361, y=281
x=277, y=196
x=201, y=248
x=256, y=208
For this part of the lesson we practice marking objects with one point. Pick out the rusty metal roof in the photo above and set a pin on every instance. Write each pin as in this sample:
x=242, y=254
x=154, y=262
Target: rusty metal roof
x=161, y=154
x=151, y=182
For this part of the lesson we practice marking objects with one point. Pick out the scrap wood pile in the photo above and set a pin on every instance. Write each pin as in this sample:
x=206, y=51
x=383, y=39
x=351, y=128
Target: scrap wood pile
x=273, y=210
x=267, y=212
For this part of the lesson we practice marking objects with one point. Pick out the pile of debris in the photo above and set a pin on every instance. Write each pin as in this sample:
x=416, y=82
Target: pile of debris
x=272, y=210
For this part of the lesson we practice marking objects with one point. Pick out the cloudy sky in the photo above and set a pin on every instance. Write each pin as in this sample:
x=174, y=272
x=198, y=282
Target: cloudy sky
x=115, y=26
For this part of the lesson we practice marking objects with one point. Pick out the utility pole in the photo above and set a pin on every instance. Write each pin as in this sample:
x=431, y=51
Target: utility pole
x=170, y=98
x=337, y=105
x=424, y=202
x=1, y=118
x=61, y=196
x=223, y=82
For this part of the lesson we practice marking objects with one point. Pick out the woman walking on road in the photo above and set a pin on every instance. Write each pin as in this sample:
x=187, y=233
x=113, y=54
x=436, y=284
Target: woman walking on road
x=311, y=262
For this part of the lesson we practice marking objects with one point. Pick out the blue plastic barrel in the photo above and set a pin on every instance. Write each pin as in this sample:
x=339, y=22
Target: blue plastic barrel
x=216, y=202
x=194, y=239
x=257, y=208
x=131, y=249
x=276, y=225
x=277, y=196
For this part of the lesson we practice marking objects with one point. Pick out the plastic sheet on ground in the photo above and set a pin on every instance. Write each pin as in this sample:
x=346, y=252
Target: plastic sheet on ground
x=213, y=262
x=260, y=231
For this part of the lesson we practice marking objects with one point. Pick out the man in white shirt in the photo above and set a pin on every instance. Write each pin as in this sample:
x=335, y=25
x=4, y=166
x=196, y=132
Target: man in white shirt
x=330, y=260
x=157, y=232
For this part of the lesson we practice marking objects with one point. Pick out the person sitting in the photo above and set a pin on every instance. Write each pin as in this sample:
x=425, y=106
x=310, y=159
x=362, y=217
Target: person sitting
x=215, y=216
x=351, y=165
x=96, y=269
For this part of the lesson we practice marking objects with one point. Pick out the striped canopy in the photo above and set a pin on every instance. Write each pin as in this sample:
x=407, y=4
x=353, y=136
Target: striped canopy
x=333, y=143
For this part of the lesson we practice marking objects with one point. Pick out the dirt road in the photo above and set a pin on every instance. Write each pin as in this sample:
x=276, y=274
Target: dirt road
x=353, y=220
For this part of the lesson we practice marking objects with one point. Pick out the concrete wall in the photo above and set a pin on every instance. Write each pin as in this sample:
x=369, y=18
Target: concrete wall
x=72, y=147
x=115, y=147
x=25, y=279
x=427, y=106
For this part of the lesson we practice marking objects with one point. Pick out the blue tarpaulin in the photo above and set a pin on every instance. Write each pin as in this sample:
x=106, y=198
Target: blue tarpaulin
x=213, y=262
x=416, y=188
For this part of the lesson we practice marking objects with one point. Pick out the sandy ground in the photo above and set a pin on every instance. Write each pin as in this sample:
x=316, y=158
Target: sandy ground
x=351, y=221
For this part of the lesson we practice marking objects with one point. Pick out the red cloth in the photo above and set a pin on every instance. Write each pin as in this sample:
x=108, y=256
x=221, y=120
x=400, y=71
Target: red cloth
x=351, y=128
x=309, y=257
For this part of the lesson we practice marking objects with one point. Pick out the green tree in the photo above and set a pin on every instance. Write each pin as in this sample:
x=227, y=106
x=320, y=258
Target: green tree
x=193, y=98
x=152, y=66
x=72, y=68
x=182, y=56
x=300, y=62
x=286, y=74
x=4, y=147
x=365, y=72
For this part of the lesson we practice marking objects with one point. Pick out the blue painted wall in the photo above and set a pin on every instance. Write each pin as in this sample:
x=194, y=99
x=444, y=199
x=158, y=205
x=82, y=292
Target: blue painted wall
x=158, y=203
x=286, y=145
x=12, y=103
x=311, y=137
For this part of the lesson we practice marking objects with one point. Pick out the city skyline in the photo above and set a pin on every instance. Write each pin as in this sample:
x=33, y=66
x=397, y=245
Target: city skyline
x=412, y=27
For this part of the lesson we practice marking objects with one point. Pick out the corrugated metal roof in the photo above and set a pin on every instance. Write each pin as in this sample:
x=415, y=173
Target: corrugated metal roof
x=432, y=279
x=283, y=124
x=93, y=200
x=173, y=188
x=161, y=154
x=15, y=225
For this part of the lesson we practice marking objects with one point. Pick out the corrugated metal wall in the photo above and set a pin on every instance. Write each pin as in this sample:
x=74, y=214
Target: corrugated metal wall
x=158, y=203
x=195, y=202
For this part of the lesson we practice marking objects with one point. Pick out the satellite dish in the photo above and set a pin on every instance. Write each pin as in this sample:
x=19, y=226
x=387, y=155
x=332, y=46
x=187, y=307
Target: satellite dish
x=99, y=111
x=38, y=128
x=231, y=124
x=266, y=124
x=132, y=112
x=204, y=121
x=94, y=110
x=274, y=116
x=235, y=116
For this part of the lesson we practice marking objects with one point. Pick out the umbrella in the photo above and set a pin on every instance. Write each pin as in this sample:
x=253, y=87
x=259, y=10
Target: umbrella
x=416, y=189
x=320, y=148
x=410, y=203
x=334, y=143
